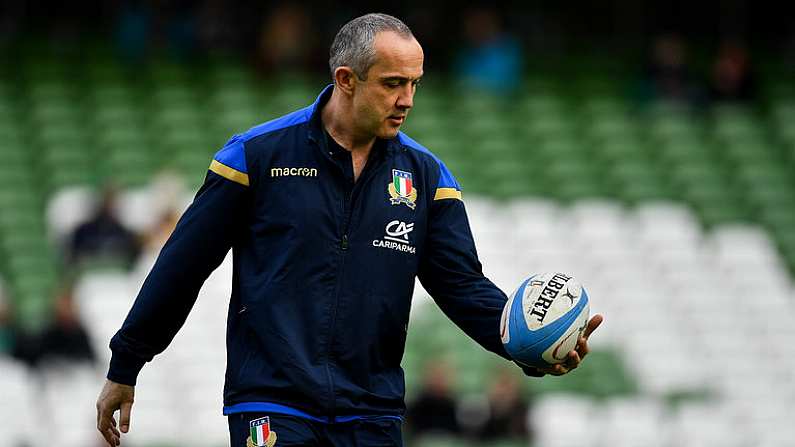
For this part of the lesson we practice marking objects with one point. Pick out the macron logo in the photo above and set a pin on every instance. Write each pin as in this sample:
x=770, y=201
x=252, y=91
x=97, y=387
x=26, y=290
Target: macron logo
x=293, y=172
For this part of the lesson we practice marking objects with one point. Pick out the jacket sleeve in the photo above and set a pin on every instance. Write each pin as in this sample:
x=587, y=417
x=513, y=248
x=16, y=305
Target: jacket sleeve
x=199, y=243
x=452, y=274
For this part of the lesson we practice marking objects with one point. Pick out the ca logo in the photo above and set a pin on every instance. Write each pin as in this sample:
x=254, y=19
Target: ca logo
x=398, y=231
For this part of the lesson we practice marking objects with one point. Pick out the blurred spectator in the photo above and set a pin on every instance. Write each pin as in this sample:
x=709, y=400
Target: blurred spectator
x=668, y=75
x=508, y=410
x=103, y=237
x=133, y=30
x=285, y=41
x=142, y=23
x=6, y=333
x=433, y=411
x=216, y=25
x=179, y=27
x=156, y=238
x=167, y=199
x=732, y=76
x=65, y=338
x=492, y=59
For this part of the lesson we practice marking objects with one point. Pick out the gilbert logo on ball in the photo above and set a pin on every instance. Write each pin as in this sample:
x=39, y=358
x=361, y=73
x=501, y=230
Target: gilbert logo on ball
x=543, y=319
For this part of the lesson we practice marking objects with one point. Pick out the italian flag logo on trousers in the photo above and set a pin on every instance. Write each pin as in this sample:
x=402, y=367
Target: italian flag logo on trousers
x=261, y=434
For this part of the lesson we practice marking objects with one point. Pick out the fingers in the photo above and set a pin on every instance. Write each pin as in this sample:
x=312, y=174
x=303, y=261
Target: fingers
x=572, y=360
x=594, y=323
x=582, y=347
x=113, y=397
x=106, y=425
x=557, y=369
x=124, y=418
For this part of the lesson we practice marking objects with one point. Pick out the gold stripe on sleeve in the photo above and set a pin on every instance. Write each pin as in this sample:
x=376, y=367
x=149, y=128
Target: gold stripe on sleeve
x=447, y=193
x=229, y=173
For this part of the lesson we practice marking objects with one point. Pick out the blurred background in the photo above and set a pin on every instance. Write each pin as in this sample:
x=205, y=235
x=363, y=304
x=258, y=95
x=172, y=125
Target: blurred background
x=648, y=148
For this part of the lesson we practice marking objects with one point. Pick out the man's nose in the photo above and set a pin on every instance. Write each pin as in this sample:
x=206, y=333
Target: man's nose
x=406, y=98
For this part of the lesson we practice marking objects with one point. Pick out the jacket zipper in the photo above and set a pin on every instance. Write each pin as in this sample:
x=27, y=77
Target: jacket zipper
x=347, y=210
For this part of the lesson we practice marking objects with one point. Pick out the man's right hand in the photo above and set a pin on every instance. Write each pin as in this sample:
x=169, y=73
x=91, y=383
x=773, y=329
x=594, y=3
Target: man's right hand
x=114, y=396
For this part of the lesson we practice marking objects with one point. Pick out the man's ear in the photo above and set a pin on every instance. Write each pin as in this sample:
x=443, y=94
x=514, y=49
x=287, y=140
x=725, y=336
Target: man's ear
x=345, y=79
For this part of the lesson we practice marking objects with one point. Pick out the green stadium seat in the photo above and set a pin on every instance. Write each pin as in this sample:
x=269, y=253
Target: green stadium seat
x=20, y=219
x=172, y=96
x=563, y=149
x=123, y=139
x=620, y=149
x=673, y=126
x=605, y=105
x=751, y=151
x=635, y=181
x=166, y=72
x=226, y=70
x=115, y=118
x=548, y=127
x=607, y=128
x=71, y=176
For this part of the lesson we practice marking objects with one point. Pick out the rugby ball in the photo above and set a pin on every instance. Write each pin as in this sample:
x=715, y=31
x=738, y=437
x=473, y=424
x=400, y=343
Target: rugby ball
x=543, y=319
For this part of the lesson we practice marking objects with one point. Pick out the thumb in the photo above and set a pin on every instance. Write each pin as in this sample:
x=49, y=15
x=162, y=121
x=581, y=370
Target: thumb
x=594, y=323
x=124, y=418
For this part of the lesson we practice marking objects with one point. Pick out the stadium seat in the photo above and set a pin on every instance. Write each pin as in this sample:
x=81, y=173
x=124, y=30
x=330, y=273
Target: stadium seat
x=19, y=408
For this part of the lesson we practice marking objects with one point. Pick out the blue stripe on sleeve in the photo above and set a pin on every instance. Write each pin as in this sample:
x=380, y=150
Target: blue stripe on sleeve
x=446, y=178
x=233, y=155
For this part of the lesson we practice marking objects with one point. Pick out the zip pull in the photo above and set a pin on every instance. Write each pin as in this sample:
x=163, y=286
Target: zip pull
x=344, y=244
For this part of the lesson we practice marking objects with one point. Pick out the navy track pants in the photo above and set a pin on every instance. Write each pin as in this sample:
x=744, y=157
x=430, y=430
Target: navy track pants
x=292, y=431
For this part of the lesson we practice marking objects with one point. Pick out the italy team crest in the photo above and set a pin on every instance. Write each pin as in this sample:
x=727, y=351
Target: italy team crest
x=261, y=434
x=401, y=189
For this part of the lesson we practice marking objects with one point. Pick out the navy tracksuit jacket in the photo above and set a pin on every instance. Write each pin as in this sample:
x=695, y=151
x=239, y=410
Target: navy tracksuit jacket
x=324, y=270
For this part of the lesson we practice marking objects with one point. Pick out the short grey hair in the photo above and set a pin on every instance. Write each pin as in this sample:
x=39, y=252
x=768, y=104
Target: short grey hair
x=354, y=46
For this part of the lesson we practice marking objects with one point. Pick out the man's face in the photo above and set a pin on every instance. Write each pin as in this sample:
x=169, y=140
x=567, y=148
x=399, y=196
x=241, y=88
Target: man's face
x=382, y=102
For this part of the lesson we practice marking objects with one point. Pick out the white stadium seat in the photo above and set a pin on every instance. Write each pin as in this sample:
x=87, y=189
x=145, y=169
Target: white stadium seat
x=689, y=310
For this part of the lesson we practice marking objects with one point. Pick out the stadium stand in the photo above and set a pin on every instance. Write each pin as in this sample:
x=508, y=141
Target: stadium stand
x=681, y=224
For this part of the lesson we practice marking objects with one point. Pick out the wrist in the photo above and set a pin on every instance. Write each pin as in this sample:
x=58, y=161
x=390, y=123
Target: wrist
x=124, y=368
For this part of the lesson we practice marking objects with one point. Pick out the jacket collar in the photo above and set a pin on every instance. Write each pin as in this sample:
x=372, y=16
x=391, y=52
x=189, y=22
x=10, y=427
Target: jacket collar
x=316, y=125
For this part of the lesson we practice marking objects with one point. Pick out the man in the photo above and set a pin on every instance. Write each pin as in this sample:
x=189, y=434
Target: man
x=331, y=213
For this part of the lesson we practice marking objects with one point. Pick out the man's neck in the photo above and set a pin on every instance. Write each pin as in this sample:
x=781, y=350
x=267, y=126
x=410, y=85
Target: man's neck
x=337, y=120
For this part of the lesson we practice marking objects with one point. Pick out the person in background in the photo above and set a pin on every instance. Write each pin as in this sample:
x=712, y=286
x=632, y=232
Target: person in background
x=491, y=61
x=104, y=237
x=66, y=338
x=63, y=338
x=732, y=76
x=285, y=41
x=6, y=333
x=668, y=75
x=508, y=410
x=433, y=411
